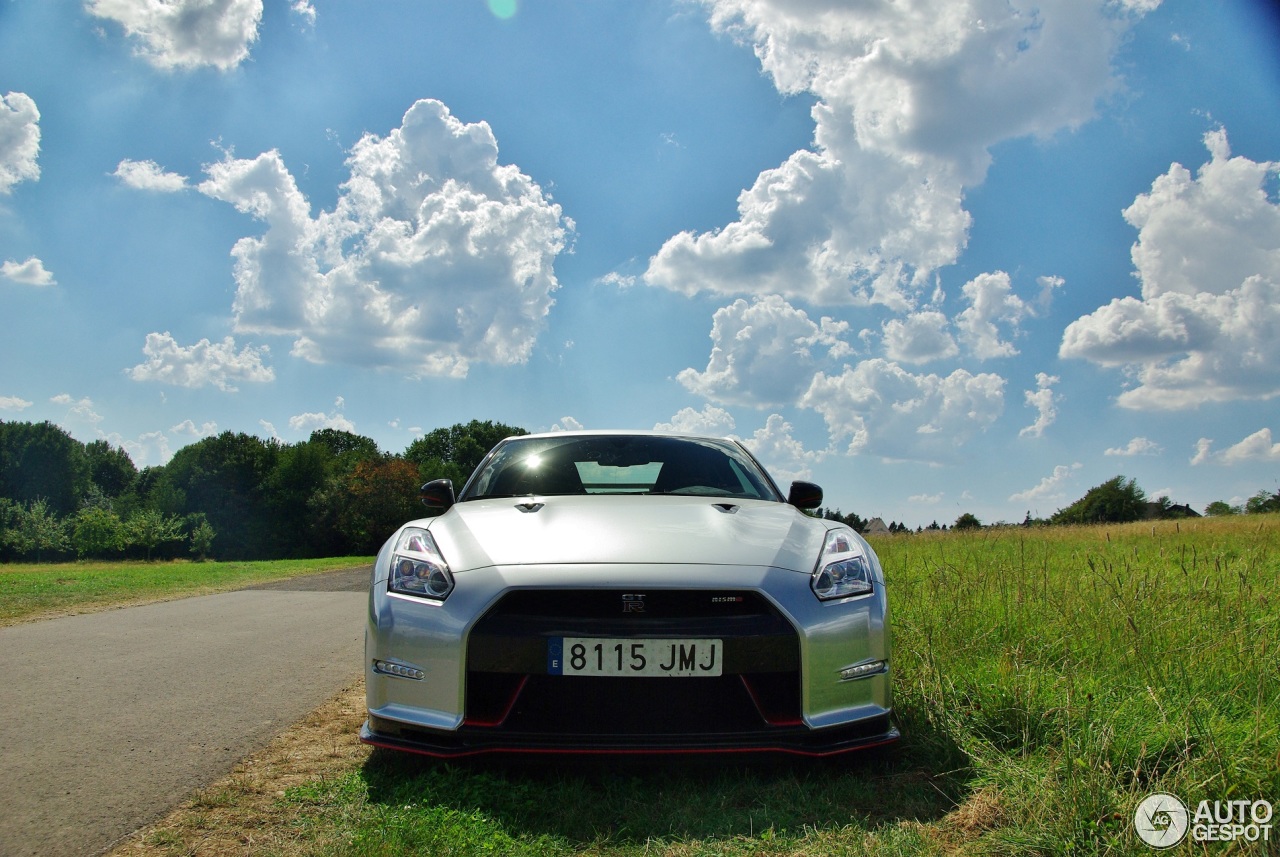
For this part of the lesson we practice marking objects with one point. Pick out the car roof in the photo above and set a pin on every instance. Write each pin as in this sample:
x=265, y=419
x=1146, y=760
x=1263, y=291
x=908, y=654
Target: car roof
x=622, y=433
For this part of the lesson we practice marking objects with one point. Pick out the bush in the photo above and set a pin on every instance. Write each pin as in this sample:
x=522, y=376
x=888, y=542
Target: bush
x=149, y=529
x=202, y=536
x=96, y=531
x=35, y=528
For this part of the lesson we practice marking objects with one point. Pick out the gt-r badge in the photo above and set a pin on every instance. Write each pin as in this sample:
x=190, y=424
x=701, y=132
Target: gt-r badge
x=632, y=603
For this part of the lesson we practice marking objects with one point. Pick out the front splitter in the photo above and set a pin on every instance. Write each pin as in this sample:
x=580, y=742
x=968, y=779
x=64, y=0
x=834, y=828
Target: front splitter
x=790, y=742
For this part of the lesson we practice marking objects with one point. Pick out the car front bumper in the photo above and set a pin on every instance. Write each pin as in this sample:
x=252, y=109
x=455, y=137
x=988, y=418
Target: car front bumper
x=782, y=691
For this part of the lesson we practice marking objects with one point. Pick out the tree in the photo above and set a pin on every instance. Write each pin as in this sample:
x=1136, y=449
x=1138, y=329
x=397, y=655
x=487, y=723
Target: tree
x=8, y=520
x=226, y=477
x=454, y=452
x=967, y=521
x=1219, y=507
x=40, y=461
x=373, y=500
x=1263, y=502
x=851, y=520
x=202, y=536
x=97, y=531
x=110, y=468
x=301, y=472
x=149, y=529
x=155, y=489
x=35, y=528
x=1115, y=501
x=345, y=447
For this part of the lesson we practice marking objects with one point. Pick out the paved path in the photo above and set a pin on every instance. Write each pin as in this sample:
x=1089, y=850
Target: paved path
x=109, y=720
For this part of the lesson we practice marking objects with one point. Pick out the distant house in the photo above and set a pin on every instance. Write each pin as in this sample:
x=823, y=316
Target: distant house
x=876, y=527
x=1159, y=511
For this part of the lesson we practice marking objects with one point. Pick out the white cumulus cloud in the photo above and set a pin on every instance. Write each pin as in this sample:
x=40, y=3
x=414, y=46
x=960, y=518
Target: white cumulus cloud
x=434, y=256
x=30, y=273
x=79, y=409
x=566, y=424
x=763, y=353
x=188, y=428
x=310, y=422
x=1207, y=325
x=781, y=453
x=13, y=403
x=305, y=10
x=1052, y=488
x=184, y=34
x=1258, y=446
x=882, y=409
x=1045, y=401
x=150, y=449
x=1136, y=446
x=19, y=140
x=205, y=363
x=921, y=337
x=148, y=175
x=708, y=421
x=991, y=300
x=911, y=96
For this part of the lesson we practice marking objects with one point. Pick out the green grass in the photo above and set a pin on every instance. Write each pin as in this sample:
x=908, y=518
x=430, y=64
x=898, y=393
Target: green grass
x=1079, y=670
x=31, y=591
x=1046, y=681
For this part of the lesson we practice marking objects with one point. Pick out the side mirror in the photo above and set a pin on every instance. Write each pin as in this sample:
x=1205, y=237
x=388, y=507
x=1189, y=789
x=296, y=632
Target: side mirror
x=438, y=494
x=805, y=495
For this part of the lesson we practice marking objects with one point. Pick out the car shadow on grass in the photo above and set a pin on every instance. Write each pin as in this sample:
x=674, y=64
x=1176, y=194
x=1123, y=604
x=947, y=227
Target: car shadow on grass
x=633, y=801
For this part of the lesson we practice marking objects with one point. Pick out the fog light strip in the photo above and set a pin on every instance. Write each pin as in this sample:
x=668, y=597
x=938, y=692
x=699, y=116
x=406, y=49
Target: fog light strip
x=858, y=671
x=401, y=670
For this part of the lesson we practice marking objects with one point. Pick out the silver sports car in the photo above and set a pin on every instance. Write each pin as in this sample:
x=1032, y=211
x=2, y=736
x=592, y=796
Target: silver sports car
x=604, y=592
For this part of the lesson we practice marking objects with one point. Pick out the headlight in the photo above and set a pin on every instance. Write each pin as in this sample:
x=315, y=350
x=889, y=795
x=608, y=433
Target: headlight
x=417, y=568
x=843, y=568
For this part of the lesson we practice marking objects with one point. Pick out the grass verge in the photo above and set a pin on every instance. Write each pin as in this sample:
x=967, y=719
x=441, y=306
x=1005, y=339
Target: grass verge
x=41, y=591
x=1046, y=681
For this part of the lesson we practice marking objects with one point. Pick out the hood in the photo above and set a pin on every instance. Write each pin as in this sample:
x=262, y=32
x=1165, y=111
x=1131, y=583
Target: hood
x=626, y=528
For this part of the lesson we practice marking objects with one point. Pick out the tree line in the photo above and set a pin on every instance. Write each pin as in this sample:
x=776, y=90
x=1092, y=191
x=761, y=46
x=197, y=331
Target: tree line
x=1117, y=501
x=1120, y=500
x=237, y=496
x=231, y=496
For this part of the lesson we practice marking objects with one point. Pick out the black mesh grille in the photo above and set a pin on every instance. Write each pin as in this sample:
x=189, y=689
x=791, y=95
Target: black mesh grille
x=508, y=688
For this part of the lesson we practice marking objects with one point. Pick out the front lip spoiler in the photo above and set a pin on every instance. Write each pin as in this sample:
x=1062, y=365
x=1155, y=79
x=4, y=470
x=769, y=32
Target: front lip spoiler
x=791, y=742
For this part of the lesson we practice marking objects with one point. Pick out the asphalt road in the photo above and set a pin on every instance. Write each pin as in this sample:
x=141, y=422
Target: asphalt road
x=109, y=720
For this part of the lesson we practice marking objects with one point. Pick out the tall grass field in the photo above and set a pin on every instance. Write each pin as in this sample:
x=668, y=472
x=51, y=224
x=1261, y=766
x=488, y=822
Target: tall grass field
x=1046, y=682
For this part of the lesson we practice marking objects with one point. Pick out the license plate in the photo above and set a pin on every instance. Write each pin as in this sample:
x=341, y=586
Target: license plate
x=631, y=657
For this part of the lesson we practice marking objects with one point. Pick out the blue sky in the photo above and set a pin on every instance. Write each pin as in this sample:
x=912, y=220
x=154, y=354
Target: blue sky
x=939, y=257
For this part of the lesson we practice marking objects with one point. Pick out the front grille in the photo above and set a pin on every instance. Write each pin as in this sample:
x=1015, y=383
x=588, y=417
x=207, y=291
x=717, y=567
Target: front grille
x=508, y=688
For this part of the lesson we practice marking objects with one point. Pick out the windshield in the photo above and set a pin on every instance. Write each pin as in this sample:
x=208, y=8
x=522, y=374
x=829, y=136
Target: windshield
x=619, y=464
